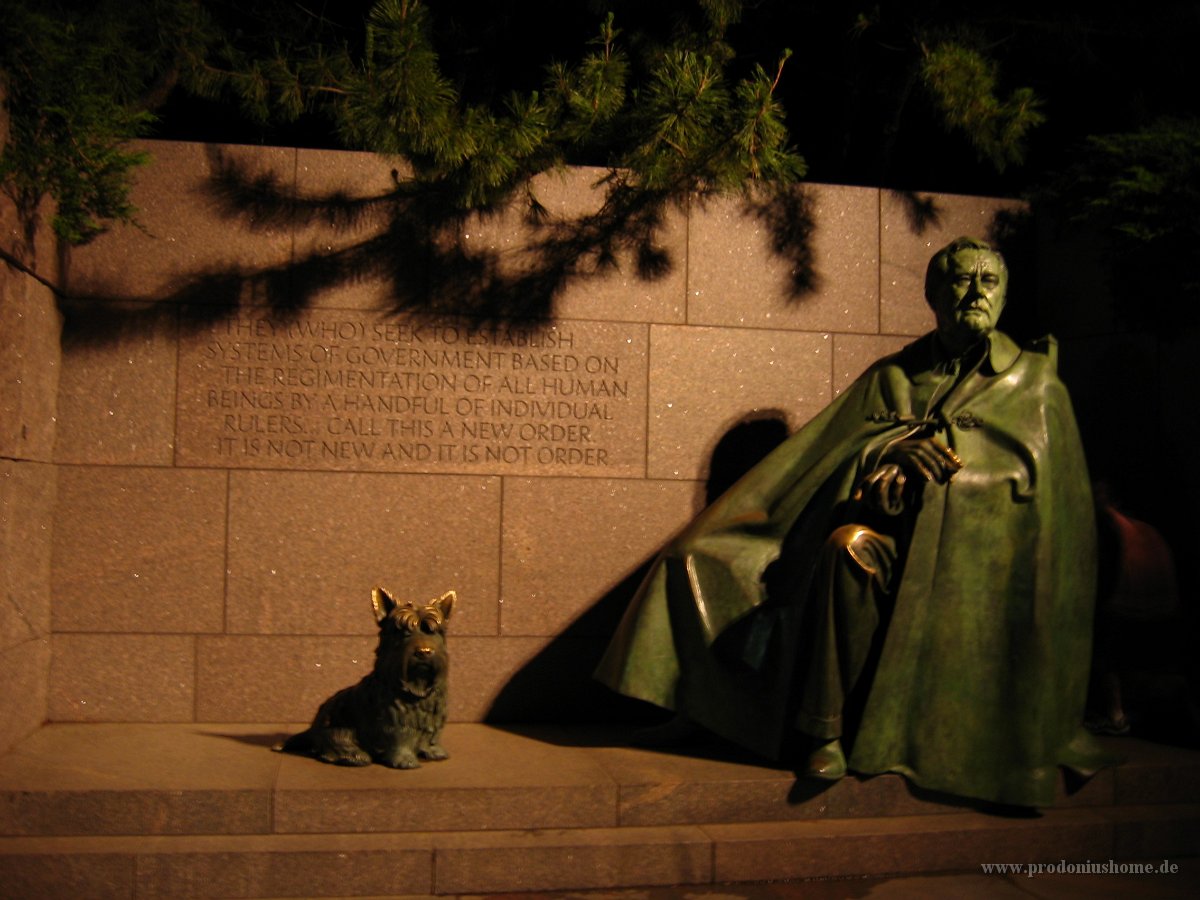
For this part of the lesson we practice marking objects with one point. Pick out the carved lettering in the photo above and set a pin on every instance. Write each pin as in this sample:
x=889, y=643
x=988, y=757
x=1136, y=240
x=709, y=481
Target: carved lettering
x=339, y=390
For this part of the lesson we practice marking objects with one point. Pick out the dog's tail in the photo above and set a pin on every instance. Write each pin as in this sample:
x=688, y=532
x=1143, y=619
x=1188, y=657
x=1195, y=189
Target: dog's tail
x=298, y=743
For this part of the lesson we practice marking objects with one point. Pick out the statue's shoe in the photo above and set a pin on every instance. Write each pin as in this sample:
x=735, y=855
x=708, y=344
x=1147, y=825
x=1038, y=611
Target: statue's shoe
x=827, y=762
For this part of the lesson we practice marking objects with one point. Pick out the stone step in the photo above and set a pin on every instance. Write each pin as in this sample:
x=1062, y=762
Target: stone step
x=209, y=810
x=474, y=862
x=94, y=779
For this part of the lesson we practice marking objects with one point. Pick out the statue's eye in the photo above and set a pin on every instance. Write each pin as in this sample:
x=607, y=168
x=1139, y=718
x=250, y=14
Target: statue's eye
x=408, y=620
x=431, y=624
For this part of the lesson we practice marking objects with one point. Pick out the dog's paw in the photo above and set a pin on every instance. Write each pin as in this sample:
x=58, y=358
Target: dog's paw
x=346, y=759
x=404, y=760
x=434, y=752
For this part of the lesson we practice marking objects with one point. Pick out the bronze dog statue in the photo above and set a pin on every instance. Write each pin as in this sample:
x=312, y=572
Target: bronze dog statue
x=395, y=714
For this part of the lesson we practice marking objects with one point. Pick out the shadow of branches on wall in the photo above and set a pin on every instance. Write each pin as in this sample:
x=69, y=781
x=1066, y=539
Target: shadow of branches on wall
x=920, y=211
x=422, y=255
x=789, y=217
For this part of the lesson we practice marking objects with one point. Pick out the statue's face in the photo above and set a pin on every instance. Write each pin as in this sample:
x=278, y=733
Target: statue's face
x=970, y=297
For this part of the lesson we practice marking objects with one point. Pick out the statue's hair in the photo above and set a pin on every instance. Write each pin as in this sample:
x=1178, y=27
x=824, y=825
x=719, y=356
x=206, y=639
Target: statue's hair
x=939, y=263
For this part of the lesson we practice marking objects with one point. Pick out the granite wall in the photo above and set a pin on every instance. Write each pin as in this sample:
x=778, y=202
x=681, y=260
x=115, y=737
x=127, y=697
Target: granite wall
x=255, y=425
x=29, y=367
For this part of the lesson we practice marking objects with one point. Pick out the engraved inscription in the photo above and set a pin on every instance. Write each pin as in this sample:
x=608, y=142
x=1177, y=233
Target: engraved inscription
x=339, y=390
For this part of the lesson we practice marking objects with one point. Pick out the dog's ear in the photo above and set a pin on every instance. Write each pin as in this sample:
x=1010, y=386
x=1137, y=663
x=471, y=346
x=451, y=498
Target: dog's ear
x=445, y=604
x=382, y=602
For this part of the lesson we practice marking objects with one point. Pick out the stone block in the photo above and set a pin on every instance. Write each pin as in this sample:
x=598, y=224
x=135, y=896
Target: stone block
x=90, y=811
x=122, y=678
x=903, y=844
x=578, y=256
x=105, y=779
x=705, y=382
x=27, y=498
x=139, y=550
x=15, y=236
x=348, y=390
x=1165, y=833
x=571, y=545
x=538, y=679
x=250, y=678
x=116, y=399
x=215, y=229
x=912, y=228
x=253, y=866
x=12, y=229
x=24, y=675
x=709, y=780
x=38, y=251
x=363, y=244
x=881, y=795
x=494, y=779
x=853, y=354
x=555, y=860
x=305, y=549
x=1156, y=773
x=216, y=866
x=358, y=244
x=254, y=678
x=809, y=262
x=645, y=280
x=29, y=369
x=36, y=869
x=704, y=782
x=490, y=674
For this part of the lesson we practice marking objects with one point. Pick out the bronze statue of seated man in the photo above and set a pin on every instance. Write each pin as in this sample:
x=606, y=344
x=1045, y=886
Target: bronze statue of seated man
x=907, y=583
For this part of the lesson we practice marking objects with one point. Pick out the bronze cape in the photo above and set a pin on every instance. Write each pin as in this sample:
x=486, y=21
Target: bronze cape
x=981, y=665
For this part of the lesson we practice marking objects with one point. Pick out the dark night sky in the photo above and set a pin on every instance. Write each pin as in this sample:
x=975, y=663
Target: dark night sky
x=1099, y=67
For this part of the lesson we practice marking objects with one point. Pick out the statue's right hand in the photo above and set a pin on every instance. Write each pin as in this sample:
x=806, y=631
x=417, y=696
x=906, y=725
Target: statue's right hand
x=871, y=551
x=883, y=489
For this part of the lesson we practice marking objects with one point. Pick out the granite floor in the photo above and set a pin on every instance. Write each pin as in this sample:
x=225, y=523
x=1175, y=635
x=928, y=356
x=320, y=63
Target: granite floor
x=207, y=810
x=1184, y=884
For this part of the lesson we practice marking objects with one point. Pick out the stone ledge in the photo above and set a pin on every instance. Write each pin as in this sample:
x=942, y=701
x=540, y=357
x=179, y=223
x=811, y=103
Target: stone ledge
x=84, y=779
x=208, y=810
x=472, y=862
x=346, y=865
x=954, y=842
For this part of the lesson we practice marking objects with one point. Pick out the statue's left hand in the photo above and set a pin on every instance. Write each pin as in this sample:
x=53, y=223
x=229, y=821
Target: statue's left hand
x=922, y=459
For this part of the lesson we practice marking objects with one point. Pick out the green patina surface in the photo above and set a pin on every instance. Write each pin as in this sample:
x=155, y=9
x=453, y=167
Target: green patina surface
x=978, y=672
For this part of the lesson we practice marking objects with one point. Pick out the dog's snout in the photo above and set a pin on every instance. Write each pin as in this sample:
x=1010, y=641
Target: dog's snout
x=423, y=652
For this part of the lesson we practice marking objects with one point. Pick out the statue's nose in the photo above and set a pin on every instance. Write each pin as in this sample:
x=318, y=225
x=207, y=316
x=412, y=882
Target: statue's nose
x=423, y=652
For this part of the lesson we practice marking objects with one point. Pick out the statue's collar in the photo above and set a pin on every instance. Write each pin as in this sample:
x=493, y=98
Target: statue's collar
x=1002, y=351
